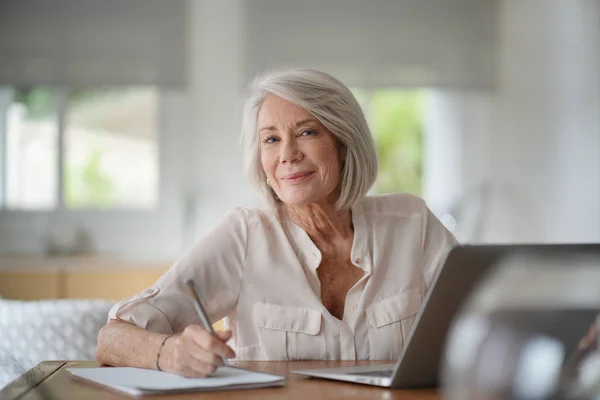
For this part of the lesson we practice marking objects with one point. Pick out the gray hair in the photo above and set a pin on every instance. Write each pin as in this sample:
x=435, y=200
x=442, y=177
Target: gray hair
x=332, y=104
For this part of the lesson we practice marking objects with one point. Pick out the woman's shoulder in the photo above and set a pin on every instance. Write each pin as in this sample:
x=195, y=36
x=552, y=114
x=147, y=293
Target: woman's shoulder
x=402, y=204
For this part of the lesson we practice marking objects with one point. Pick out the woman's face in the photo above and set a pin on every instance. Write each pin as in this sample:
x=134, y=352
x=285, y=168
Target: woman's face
x=298, y=154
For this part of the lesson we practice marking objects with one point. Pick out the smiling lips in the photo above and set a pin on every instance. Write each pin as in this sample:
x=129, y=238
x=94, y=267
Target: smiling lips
x=297, y=177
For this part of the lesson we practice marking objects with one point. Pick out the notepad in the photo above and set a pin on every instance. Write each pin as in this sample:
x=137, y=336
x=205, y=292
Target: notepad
x=138, y=381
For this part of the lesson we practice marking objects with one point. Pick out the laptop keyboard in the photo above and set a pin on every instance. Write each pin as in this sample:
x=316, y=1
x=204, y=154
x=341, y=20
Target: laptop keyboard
x=384, y=373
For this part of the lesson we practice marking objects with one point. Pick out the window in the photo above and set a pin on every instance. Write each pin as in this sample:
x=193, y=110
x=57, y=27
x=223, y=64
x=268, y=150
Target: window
x=396, y=119
x=98, y=151
x=29, y=149
x=78, y=149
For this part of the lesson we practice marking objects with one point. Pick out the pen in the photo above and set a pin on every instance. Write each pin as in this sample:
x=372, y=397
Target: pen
x=200, y=310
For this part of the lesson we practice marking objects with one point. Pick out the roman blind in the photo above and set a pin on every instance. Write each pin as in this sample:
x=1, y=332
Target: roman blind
x=91, y=42
x=378, y=42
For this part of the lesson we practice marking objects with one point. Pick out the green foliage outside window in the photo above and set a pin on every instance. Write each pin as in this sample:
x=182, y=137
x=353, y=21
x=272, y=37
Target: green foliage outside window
x=38, y=101
x=395, y=117
x=88, y=185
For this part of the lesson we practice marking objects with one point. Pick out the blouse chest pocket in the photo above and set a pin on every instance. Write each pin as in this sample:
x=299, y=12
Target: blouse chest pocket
x=289, y=333
x=390, y=321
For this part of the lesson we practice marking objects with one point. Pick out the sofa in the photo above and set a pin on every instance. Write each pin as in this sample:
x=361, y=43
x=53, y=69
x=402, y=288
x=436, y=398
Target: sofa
x=34, y=331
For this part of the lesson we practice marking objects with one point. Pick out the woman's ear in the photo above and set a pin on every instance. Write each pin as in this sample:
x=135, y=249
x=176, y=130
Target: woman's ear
x=277, y=199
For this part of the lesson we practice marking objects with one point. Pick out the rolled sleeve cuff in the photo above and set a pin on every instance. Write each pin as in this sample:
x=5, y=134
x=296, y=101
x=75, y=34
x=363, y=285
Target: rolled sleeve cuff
x=138, y=311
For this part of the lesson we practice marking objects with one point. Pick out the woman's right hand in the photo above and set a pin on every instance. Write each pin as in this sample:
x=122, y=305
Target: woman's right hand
x=195, y=352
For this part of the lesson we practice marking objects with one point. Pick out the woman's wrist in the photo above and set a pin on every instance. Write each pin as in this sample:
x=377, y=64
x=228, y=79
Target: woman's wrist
x=160, y=354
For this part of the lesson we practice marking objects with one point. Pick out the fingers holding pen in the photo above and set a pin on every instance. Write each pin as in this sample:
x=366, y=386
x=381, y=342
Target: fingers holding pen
x=212, y=343
x=196, y=352
x=199, y=349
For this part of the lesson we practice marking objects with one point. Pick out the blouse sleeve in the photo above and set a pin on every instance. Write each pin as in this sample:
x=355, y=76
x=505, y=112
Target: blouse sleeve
x=437, y=242
x=215, y=264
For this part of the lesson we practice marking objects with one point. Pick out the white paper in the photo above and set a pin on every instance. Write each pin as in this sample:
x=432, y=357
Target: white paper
x=139, y=381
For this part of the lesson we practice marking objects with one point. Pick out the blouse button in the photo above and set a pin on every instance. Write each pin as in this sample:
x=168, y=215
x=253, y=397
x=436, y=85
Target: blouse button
x=357, y=260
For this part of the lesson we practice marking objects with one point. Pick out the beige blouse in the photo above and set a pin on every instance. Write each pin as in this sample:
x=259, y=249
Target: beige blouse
x=259, y=269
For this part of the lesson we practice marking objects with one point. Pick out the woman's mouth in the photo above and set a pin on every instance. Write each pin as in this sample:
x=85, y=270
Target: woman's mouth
x=297, y=177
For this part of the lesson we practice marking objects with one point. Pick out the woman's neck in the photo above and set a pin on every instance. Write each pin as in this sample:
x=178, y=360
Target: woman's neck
x=321, y=221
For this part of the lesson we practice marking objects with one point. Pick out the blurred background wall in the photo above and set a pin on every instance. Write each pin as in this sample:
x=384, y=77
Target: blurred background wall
x=119, y=121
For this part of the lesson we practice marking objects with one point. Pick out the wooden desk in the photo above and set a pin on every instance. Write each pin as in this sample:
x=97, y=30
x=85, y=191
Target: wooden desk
x=50, y=380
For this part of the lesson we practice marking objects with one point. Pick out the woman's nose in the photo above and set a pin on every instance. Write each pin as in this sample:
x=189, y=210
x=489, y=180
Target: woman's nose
x=290, y=152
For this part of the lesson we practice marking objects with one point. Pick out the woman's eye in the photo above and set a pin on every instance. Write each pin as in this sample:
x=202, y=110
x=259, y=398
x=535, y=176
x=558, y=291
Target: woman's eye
x=308, y=132
x=269, y=140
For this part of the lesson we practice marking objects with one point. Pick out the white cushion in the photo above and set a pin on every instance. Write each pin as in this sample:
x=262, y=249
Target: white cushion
x=34, y=331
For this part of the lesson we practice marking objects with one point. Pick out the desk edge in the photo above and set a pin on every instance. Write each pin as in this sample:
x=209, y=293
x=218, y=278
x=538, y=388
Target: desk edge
x=30, y=379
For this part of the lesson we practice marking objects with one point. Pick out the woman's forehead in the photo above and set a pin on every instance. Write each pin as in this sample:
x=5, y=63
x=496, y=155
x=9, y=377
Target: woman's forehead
x=275, y=110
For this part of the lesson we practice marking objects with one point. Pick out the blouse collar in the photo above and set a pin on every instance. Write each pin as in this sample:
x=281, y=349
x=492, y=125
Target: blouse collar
x=306, y=249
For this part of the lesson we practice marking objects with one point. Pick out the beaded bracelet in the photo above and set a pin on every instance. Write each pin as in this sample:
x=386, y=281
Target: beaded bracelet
x=158, y=354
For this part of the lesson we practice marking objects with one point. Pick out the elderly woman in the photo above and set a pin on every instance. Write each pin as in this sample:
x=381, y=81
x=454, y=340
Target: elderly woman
x=323, y=272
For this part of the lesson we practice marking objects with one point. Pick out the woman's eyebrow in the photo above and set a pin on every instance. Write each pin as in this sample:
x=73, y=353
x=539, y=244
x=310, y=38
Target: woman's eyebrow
x=305, y=121
x=267, y=128
x=299, y=123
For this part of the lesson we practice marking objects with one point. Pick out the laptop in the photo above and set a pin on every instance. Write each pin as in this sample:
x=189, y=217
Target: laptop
x=418, y=364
